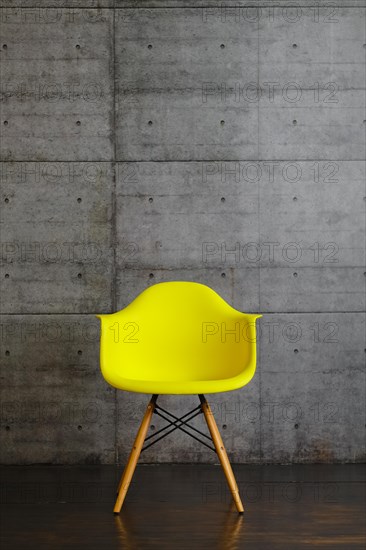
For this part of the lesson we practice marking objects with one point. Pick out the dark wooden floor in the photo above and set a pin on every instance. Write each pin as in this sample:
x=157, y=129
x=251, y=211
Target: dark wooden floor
x=183, y=506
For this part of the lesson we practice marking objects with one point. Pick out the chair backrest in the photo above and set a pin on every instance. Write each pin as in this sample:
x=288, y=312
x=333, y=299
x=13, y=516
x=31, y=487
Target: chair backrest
x=177, y=331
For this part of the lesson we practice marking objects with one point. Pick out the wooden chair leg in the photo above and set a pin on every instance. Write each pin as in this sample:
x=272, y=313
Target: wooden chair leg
x=221, y=452
x=134, y=455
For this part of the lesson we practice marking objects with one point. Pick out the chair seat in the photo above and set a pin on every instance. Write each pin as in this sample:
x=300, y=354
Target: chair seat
x=180, y=338
x=181, y=386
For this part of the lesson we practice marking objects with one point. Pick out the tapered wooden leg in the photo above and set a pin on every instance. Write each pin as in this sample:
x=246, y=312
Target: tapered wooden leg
x=134, y=455
x=221, y=452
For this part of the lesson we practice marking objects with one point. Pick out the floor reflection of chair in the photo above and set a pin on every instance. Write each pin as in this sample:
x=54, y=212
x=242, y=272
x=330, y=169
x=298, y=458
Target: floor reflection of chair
x=232, y=531
x=229, y=536
x=127, y=540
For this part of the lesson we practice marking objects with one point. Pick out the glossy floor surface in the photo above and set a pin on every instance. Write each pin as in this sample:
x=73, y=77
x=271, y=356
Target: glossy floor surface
x=183, y=507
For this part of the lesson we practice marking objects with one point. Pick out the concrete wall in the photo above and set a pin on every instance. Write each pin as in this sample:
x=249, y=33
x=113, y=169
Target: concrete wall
x=161, y=140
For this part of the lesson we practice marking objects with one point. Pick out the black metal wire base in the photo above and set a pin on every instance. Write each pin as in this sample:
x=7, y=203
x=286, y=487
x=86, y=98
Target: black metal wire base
x=177, y=424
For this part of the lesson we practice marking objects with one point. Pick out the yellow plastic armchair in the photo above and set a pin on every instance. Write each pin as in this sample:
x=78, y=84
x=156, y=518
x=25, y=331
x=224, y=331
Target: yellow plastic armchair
x=178, y=338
